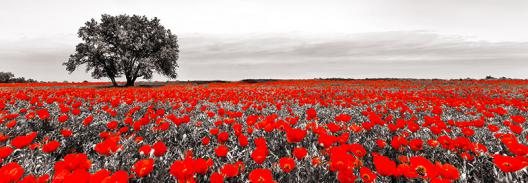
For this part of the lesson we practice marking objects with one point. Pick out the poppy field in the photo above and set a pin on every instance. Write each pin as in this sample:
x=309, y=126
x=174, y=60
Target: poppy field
x=278, y=131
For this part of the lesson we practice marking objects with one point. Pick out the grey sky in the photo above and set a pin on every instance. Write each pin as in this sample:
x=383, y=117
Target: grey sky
x=288, y=38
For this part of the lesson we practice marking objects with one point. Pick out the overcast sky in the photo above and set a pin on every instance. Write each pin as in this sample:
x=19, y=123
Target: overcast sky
x=241, y=39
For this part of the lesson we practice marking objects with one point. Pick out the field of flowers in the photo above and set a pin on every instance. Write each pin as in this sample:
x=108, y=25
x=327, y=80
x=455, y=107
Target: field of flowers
x=281, y=131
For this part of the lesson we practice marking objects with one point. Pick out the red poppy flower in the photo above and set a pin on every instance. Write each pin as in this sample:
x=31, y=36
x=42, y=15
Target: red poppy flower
x=159, y=148
x=381, y=143
x=466, y=156
x=206, y=140
x=216, y=178
x=23, y=141
x=11, y=124
x=202, y=165
x=260, y=142
x=421, y=166
x=300, y=152
x=416, y=144
x=358, y=150
x=87, y=120
x=445, y=141
x=5, y=152
x=77, y=161
x=230, y=170
x=123, y=130
x=76, y=112
x=63, y=118
x=468, y=131
x=334, y=128
x=50, y=146
x=346, y=177
x=66, y=133
x=214, y=131
x=43, y=178
x=11, y=172
x=43, y=114
x=120, y=176
x=449, y=171
x=507, y=163
x=182, y=170
x=384, y=165
x=143, y=167
x=343, y=118
x=261, y=175
x=518, y=119
x=221, y=151
x=367, y=175
x=326, y=140
x=29, y=179
x=60, y=172
x=287, y=164
x=34, y=146
x=145, y=150
x=138, y=139
x=311, y=114
x=112, y=125
x=160, y=112
x=243, y=141
x=355, y=128
x=100, y=175
x=77, y=175
x=413, y=127
x=223, y=137
x=3, y=137
x=340, y=159
x=295, y=135
x=432, y=143
x=493, y=128
x=398, y=141
x=316, y=161
x=516, y=129
x=259, y=154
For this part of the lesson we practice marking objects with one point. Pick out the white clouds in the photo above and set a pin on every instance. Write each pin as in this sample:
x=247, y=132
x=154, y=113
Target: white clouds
x=409, y=45
x=381, y=54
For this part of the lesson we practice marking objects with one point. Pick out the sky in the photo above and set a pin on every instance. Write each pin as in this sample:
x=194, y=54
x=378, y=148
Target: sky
x=287, y=39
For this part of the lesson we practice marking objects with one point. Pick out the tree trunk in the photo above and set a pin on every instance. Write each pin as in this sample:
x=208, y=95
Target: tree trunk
x=130, y=82
x=114, y=83
x=132, y=79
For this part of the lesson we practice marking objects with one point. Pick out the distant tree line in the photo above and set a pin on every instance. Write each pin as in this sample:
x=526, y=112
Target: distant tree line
x=8, y=77
x=488, y=77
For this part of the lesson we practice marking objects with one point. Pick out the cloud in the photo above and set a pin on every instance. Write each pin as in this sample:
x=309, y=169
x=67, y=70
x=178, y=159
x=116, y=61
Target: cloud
x=418, y=54
x=380, y=46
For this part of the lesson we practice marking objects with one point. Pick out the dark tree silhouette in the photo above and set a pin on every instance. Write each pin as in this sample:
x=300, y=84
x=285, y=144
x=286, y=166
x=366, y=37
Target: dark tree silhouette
x=133, y=46
x=6, y=76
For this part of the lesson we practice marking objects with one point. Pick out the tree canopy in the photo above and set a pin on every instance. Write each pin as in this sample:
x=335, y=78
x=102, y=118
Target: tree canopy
x=6, y=76
x=131, y=46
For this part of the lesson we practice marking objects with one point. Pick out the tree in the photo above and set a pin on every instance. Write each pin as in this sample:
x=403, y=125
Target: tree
x=488, y=77
x=6, y=76
x=133, y=46
x=18, y=80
